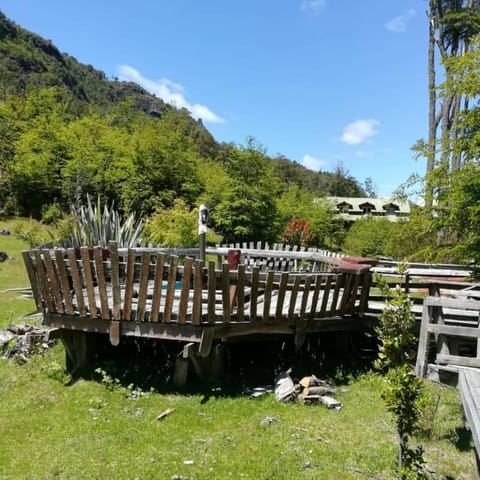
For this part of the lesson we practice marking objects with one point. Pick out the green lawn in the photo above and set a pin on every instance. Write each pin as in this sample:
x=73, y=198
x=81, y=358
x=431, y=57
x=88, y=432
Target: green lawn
x=94, y=429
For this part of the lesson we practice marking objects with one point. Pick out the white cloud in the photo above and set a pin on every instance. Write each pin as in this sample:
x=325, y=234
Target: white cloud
x=313, y=163
x=170, y=92
x=315, y=6
x=399, y=24
x=359, y=131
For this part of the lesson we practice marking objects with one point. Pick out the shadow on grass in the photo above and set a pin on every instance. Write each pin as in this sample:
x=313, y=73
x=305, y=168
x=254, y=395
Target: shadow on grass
x=148, y=364
x=463, y=439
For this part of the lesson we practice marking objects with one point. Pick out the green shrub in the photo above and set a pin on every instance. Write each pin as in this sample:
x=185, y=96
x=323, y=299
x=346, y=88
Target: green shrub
x=93, y=226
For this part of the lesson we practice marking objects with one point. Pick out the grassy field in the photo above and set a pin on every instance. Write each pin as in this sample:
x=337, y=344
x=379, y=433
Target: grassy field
x=106, y=427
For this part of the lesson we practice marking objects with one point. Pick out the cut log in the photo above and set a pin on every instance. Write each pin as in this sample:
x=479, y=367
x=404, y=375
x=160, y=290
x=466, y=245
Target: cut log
x=330, y=402
x=321, y=390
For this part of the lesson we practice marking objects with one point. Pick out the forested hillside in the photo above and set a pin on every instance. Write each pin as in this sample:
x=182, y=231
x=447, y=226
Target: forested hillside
x=67, y=131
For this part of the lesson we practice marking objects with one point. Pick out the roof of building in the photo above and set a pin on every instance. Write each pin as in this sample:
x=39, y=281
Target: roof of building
x=354, y=207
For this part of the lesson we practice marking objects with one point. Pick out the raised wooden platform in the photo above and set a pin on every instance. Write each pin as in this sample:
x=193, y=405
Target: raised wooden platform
x=162, y=294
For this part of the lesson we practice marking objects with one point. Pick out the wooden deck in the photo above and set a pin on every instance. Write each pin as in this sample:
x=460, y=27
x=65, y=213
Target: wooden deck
x=167, y=295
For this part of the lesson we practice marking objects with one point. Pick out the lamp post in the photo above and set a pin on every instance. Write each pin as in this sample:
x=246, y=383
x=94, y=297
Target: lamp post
x=202, y=230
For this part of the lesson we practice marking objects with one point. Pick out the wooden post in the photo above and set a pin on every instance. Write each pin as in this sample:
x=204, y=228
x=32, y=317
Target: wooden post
x=202, y=231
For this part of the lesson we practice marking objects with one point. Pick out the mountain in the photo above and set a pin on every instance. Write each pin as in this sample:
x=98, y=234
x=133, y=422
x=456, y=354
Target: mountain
x=30, y=63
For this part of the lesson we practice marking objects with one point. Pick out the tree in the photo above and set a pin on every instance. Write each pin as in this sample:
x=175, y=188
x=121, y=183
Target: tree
x=247, y=210
x=452, y=216
x=326, y=229
x=367, y=237
x=452, y=25
x=402, y=389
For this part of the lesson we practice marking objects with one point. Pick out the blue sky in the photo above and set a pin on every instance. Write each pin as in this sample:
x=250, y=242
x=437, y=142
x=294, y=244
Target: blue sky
x=322, y=82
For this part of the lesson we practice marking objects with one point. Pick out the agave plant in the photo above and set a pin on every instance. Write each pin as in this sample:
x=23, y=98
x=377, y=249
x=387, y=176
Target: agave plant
x=93, y=226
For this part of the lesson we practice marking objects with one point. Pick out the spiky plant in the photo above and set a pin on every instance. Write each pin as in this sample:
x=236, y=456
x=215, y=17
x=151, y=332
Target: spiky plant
x=94, y=226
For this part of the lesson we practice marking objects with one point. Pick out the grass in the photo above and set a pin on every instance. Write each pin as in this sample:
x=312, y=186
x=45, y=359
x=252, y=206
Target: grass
x=13, y=274
x=99, y=428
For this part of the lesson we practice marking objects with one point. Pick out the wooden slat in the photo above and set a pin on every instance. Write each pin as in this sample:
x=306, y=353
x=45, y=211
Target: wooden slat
x=185, y=293
x=316, y=295
x=422, y=352
x=63, y=277
x=353, y=295
x=157, y=288
x=339, y=279
x=197, y=293
x=455, y=330
x=76, y=280
x=114, y=272
x=267, y=296
x=282, y=287
x=241, y=293
x=172, y=279
x=305, y=295
x=366, y=283
x=469, y=386
x=254, y=294
x=27, y=260
x=211, y=285
x=326, y=294
x=53, y=281
x=143, y=287
x=101, y=283
x=460, y=303
x=130, y=276
x=43, y=282
x=347, y=291
x=458, y=360
x=226, y=293
x=293, y=297
x=88, y=279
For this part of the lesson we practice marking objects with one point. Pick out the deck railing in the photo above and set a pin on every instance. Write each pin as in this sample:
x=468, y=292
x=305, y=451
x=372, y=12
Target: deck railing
x=157, y=286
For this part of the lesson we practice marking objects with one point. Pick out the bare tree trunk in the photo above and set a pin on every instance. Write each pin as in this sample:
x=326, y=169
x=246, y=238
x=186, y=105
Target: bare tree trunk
x=432, y=99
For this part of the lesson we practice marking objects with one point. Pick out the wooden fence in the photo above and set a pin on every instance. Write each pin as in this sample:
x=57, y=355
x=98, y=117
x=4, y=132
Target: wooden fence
x=159, y=294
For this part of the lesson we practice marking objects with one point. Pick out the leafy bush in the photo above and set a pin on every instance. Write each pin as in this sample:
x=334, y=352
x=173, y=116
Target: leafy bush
x=175, y=227
x=368, y=237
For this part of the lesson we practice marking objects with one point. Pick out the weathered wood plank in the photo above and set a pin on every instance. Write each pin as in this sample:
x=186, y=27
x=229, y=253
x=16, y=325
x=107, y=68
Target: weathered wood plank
x=293, y=297
x=130, y=275
x=326, y=293
x=27, y=260
x=267, y=296
x=211, y=285
x=282, y=287
x=64, y=283
x=43, y=282
x=115, y=279
x=157, y=288
x=88, y=279
x=197, y=293
x=53, y=280
x=225, y=283
x=254, y=294
x=143, y=287
x=76, y=280
x=458, y=360
x=240, y=304
x=185, y=292
x=459, y=303
x=172, y=279
x=101, y=283
x=422, y=352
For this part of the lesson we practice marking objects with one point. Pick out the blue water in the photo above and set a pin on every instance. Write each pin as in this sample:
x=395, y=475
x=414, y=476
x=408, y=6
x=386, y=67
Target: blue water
x=178, y=285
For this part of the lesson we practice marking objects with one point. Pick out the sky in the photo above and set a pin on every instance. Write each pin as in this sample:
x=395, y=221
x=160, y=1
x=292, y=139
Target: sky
x=325, y=83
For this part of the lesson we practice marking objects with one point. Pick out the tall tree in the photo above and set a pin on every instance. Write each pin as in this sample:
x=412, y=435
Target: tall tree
x=452, y=25
x=247, y=210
